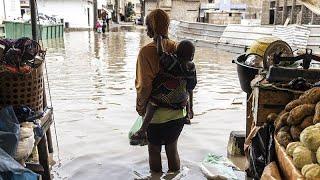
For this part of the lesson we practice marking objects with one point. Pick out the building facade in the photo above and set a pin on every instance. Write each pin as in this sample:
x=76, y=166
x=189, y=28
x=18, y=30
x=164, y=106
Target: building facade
x=186, y=10
x=253, y=8
x=78, y=14
x=10, y=10
x=195, y=10
x=278, y=11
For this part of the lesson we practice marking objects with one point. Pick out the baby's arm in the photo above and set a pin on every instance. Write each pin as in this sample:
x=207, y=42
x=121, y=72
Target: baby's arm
x=190, y=106
x=149, y=115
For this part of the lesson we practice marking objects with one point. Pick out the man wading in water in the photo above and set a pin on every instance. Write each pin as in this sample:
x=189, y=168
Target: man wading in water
x=166, y=123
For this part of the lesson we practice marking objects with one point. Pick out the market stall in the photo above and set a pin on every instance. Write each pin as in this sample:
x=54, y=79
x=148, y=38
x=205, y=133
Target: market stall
x=25, y=117
x=283, y=110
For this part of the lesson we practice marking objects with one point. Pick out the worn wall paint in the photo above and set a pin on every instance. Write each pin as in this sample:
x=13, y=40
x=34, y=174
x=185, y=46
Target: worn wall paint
x=10, y=9
x=75, y=12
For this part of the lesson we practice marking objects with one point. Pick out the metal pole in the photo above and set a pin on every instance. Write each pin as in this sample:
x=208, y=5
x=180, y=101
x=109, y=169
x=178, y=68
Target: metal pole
x=33, y=19
x=95, y=13
x=143, y=11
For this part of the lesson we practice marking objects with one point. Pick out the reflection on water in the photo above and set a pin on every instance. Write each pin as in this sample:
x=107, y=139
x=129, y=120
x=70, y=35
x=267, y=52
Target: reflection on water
x=92, y=83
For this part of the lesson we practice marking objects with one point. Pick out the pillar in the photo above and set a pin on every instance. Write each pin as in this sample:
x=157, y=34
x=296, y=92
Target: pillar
x=95, y=13
x=312, y=18
x=276, y=9
x=293, y=11
x=284, y=11
x=303, y=10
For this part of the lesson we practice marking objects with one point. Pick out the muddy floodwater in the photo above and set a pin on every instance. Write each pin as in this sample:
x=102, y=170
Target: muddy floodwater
x=92, y=85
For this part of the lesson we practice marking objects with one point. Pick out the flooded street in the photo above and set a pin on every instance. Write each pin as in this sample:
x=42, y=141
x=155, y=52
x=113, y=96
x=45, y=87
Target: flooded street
x=92, y=84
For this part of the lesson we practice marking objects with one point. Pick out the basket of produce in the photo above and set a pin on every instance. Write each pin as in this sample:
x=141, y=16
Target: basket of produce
x=21, y=73
x=297, y=134
x=27, y=89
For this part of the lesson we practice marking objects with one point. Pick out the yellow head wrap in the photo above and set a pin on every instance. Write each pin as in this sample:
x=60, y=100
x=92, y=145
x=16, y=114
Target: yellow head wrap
x=159, y=21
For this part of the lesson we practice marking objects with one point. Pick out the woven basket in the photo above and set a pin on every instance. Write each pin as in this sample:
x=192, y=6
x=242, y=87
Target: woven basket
x=27, y=89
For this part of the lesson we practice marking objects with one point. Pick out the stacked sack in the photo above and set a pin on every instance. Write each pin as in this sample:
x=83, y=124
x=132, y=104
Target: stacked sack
x=298, y=130
x=26, y=142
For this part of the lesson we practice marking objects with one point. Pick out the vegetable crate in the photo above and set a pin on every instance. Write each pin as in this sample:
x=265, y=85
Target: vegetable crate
x=288, y=170
x=268, y=100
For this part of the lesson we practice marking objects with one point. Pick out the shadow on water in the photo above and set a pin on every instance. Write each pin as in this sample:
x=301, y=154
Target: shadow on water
x=92, y=84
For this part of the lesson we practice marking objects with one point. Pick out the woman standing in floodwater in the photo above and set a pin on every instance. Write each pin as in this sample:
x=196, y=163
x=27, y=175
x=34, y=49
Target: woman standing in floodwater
x=166, y=124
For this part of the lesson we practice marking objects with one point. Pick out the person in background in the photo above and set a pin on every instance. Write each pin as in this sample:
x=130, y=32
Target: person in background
x=166, y=124
x=107, y=21
x=99, y=26
x=104, y=26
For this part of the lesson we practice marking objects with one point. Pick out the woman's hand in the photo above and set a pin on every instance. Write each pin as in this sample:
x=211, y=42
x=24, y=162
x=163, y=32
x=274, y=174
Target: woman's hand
x=190, y=113
x=140, y=134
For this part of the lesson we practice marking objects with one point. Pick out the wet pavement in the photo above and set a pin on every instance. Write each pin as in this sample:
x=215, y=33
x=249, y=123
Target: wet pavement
x=92, y=84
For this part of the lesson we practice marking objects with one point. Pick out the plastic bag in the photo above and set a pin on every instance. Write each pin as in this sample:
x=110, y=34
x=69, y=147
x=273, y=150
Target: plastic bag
x=254, y=60
x=260, y=150
x=218, y=167
x=9, y=130
x=135, y=128
x=11, y=169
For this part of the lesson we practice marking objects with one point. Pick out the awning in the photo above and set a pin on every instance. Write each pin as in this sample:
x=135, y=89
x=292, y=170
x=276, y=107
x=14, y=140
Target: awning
x=313, y=5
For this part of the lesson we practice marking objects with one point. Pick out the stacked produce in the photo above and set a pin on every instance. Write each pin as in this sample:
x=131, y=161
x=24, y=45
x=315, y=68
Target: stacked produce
x=298, y=130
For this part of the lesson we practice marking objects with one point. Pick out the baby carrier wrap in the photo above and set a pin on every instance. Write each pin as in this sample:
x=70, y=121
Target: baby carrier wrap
x=169, y=86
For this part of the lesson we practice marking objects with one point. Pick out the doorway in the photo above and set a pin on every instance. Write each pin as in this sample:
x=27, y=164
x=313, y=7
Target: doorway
x=271, y=19
x=88, y=10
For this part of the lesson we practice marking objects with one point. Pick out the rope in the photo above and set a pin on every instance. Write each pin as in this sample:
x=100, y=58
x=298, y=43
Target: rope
x=49, y=91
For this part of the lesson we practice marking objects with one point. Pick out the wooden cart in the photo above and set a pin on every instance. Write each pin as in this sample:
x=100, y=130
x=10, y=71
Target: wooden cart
x=266, y=99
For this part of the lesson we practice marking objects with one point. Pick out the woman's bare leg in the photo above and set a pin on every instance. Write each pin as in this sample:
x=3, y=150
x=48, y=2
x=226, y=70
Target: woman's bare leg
x=173, y=156
x=155, y=158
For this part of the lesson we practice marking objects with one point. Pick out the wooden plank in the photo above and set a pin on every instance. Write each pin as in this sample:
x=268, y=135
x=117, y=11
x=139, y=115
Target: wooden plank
x=49, y=140
x=261, y=114
x=273, y=97
x=249, y=117
x=287, y=168
x=44, y=157
x=269, y=100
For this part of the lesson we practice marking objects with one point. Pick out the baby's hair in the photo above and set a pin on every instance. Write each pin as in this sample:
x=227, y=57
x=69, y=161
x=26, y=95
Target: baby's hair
x=185, y=50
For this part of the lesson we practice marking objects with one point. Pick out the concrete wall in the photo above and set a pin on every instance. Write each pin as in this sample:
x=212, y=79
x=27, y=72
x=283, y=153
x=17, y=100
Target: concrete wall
x=10, y=9
x=244, y=35
x=73, y=11
x=203, y=34
x=235, y=37
x=314, y=38
x=265, y=16
x=224, y=18
x=150, y=5
x=185, y=10
x=253, y=7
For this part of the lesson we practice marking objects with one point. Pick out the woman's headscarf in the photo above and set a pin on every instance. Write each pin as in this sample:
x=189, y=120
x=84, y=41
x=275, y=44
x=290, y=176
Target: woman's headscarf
x=159, y=21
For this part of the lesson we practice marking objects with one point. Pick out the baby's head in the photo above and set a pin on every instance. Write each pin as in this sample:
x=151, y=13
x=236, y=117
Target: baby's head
x=185, y=50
